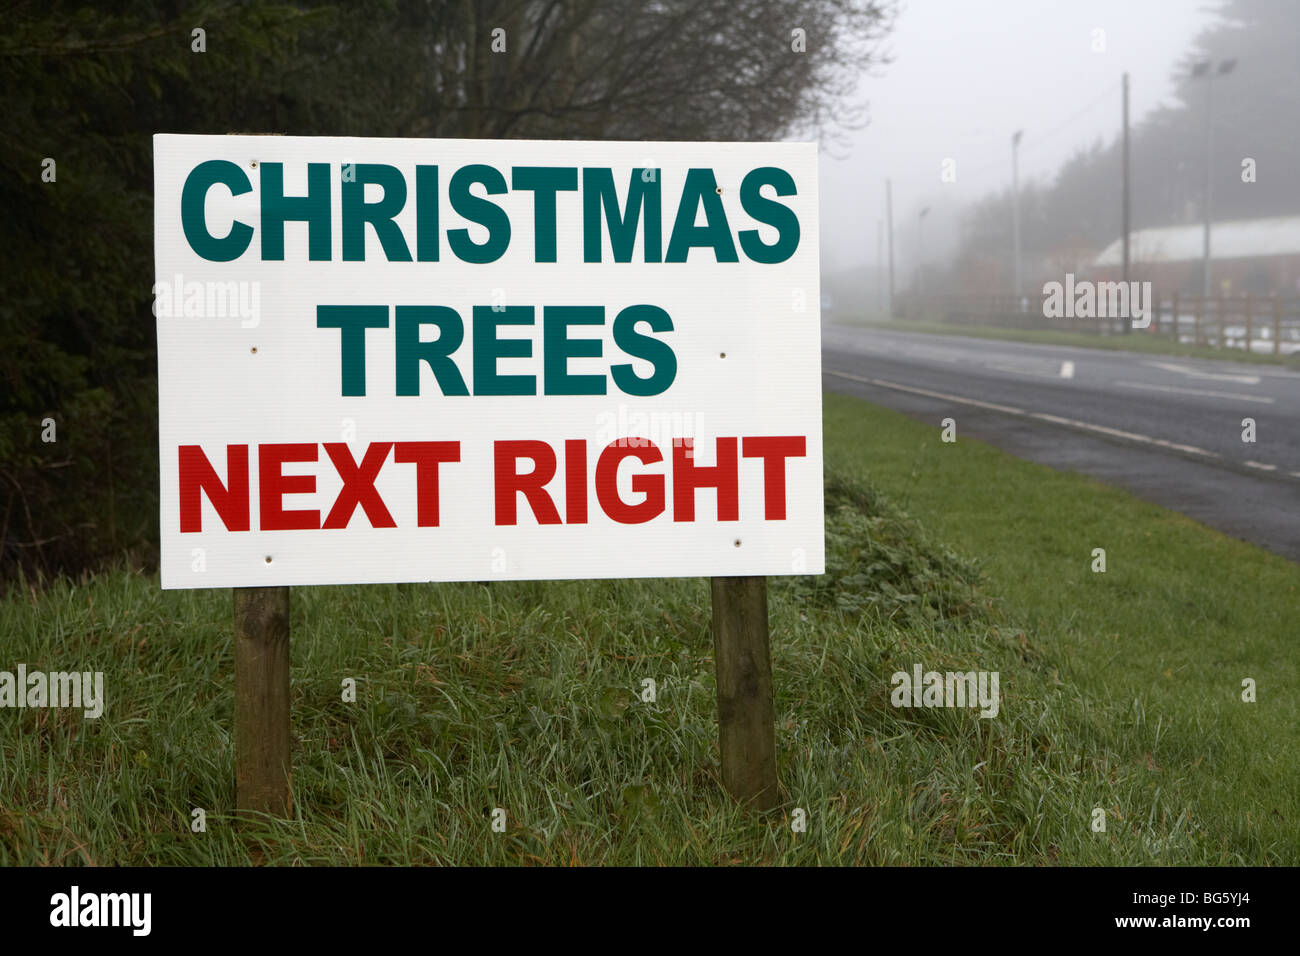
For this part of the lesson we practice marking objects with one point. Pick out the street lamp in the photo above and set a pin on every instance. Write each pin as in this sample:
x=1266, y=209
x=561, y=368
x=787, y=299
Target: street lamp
x=889, y=227
x=880, y=266
x=1203, y=70
x=920, y=252
x=1015, y=213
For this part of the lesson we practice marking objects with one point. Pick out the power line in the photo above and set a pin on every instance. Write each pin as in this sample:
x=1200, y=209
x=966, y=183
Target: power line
x=1032, y=140
x=1044, y=137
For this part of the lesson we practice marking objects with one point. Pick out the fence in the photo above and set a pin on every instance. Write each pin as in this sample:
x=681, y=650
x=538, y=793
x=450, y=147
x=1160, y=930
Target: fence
x=1266, y=325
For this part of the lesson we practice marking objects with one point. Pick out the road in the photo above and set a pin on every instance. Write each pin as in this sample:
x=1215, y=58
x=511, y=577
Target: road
x=1168, y=429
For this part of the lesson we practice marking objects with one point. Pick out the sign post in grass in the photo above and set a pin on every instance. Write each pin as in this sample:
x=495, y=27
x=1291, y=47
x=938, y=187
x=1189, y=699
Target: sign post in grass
x=746, y=719
x=263, y=772
x=401, y=360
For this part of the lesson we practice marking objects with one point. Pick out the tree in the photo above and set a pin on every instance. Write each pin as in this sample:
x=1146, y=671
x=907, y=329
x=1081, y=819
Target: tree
x=88, y=89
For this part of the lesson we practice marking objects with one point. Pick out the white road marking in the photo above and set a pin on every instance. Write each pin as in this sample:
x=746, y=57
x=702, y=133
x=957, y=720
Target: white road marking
x=1260, y=465
x=1057, y=419
x=1043, y=416
x=1262, y=399
x=1067, y=369
x=1190, y=449
x=1022, y=371
x=925, y=391
x=1197, y=373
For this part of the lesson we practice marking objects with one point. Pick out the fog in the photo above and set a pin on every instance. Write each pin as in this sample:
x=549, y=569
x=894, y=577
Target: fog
x=963, y=78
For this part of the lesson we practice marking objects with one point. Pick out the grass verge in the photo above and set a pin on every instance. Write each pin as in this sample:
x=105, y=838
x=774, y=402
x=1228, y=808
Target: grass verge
x=1149, y=657
x=1119, y=691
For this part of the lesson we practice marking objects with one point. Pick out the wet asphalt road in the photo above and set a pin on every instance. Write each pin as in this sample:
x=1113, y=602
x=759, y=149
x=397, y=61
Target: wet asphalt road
x=1166, y=428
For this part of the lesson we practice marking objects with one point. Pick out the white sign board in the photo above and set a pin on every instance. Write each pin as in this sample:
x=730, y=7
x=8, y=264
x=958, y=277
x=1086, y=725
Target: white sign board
x=447, y=360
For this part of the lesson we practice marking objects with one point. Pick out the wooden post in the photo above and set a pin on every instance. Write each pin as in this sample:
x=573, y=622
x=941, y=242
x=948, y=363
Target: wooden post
x=1126, y=227
x=1196, y=328
x=1277, y=324
x=1175, y=316
x=746, y=719
x=262, y=768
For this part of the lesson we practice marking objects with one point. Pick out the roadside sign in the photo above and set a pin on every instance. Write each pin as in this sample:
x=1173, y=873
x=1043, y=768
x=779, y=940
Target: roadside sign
x=434, y=360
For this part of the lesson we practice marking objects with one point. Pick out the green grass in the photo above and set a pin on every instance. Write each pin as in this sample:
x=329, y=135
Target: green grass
x=1154, y=650
x=1119, y=691
x=1136, y=342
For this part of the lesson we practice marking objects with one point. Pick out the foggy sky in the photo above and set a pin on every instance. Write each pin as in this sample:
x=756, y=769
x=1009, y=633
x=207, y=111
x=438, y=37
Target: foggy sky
x=966, y=74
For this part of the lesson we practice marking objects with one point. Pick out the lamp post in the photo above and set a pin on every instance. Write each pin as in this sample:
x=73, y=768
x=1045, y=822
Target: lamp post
x=1124, y=205
x=889, y=227
x=1203, y=69
x=920, y=252
x=880, y=267
x=1015, y=214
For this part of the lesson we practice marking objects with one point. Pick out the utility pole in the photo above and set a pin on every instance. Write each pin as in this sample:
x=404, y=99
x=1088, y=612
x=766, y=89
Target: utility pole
x=1205, y=69
x=889, y=216
x=880, y=266
x=1209, y=182
x=920, y=253
x=1015, y=215
x=1128, y=319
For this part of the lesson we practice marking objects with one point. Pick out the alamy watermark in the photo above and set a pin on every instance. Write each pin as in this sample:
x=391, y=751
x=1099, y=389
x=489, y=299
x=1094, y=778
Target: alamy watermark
x=209, y=300
x=75, y=908
x=634, y=429
x=951, y=689
x=53, y=689
x=1085, y=299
